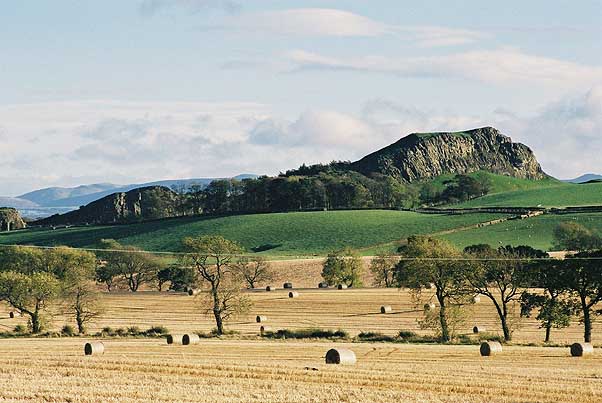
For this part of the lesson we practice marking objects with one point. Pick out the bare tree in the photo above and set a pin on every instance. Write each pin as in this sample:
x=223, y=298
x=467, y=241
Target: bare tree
x=255, y=270
x=383, y=270
x=133, y=265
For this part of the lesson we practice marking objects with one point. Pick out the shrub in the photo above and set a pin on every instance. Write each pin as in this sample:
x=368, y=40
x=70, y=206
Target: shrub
x=68, y=330
x=407, y=334
x=313, y=333
x=376, y=337
x=20, y=329
x=120, y=332
x=491, y=337
x=156, y=331
x=134, y=331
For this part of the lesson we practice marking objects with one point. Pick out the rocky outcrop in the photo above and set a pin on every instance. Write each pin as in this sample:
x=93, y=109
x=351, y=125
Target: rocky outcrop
x=142, y=204
x=10, y=219
x=421, y=156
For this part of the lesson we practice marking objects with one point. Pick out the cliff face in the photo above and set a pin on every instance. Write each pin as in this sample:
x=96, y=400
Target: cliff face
x=427, y=155
x=10, y=219
x=147, y=203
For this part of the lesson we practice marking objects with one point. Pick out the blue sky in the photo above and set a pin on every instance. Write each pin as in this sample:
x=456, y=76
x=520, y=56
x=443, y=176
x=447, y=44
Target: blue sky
x=130, y=91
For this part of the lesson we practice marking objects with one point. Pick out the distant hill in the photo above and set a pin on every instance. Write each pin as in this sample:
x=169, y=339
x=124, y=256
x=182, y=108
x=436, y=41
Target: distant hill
x=17, y=203
x=421, y=156
x=85, y=194
x=585, y=178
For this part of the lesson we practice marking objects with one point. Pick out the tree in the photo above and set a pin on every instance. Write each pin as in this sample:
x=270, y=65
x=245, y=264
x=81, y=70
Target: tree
x=213, y=257
x=500, y=276
x=179, y=278
x=554, y=309
x=108, y=275
x=133, y=265
x=433, y=261
x=29, y=294
x=383, y=270
x=255, y=270
x=77, y=287
x=571, y=236
x=343, y=267
x=582, y=277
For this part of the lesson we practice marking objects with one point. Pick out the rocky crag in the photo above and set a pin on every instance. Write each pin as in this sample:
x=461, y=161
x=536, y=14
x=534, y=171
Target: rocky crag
x=421, y=156
x=142, y=204
x=10, y=219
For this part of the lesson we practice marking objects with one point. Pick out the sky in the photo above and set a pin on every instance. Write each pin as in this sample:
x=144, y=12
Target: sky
x=128, y=91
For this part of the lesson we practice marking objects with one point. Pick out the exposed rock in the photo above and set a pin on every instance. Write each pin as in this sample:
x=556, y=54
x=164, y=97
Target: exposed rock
x=422, y=156
x=142, y=204
x=10, y=219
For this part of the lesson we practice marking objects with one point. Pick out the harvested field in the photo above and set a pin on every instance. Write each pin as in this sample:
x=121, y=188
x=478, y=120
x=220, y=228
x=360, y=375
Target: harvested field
x=274, y=371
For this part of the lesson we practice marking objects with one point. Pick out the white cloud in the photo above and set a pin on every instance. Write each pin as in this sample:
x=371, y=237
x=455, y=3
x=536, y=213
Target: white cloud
x=152, y=7
x=501, y=66
x=324, y=22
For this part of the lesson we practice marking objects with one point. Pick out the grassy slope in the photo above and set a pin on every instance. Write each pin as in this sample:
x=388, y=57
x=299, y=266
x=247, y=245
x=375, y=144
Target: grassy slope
x=550, y=196
x=536, y=231
x=287, y=233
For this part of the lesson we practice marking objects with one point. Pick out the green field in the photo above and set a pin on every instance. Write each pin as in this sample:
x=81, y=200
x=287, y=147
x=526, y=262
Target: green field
x=536, y=231
x=562, y=195
x=286, y=234
x=503, y=183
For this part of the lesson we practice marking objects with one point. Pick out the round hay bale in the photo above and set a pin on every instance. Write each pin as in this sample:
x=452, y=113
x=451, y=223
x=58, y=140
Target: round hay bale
x=192, y=292
x=293, y=294
x=265, y=329
x=270, y=288
x=490, y=347
x=287, y=285
x=261, y=318
x=323, y=284
x=190, y=338
x=11, y=315
x=430, y=306
x=94, y=348
x=581, y=349
x=430, y=286
x=476, y=299
x=478, y=329
x=342, y=286
x=174, y=338
x=342, y=356
x=386, y=309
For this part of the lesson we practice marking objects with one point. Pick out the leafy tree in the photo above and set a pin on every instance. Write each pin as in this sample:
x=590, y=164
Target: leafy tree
x=254, y=271
x=133, y=265
x=29, y=294
x=343, y=267
x=572, y=236
x=554, y=309
x=78, y=290
x=213, y=257
x=383, y=270
x=499, y=275
x=582, y=277
x=427, y=261
x=179, y=278
x=107, y=275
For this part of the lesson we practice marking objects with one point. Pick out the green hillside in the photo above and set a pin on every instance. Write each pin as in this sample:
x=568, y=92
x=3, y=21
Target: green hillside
x=536, y=231
x=503, y=183
x=285, y=234
x=563, y=195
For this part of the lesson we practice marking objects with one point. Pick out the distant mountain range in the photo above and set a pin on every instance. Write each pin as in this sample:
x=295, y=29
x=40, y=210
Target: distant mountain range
x=52, y=200
x=585, y=178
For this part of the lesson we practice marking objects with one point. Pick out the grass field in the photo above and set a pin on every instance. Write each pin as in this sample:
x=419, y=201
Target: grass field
x=279, y=234
x=563, y=195
x=503, y=183
x=536, y=232
x=270, y=372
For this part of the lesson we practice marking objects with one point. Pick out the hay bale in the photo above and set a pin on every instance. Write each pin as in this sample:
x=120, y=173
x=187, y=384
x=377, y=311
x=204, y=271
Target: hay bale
x=476, y=299
x=190, y=338
x=94, y=348
x=261, y=318
x=265, y=329
x=581, y=349
x=430, y=286
x=193, y=292
x=323, y=284
x=175, y=338
x=11, y=315
x=430, y=306
x=386, y=309
x=293, y=294
x=478, y=329
x=270, y=288
x=287, y=285
x=342, y=356
x=490, y=347
x=342, y=286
